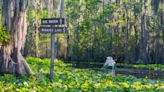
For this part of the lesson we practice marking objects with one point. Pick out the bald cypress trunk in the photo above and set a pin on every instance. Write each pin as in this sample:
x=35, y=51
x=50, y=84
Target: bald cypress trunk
x=143, y=57
x=14, y=18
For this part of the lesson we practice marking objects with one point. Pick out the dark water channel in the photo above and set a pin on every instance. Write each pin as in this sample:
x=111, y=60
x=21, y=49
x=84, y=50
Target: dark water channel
x=137, y=72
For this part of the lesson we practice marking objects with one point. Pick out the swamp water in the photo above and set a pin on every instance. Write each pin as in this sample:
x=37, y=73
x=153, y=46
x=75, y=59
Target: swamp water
x=137, y=72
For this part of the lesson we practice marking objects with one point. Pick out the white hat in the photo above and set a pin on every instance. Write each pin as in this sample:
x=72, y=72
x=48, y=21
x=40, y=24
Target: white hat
x=109, y=57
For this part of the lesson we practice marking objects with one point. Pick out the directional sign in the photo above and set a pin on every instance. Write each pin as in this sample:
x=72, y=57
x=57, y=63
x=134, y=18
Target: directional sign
x=53, y=30
x=52, y=21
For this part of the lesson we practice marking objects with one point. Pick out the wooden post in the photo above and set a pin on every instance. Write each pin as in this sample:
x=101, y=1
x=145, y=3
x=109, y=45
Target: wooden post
x=52, y=55
x=52, y=43
x=53, y=31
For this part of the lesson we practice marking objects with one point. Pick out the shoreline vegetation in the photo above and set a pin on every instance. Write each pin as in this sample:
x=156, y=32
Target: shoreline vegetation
x=125, y=65
x=69, y=79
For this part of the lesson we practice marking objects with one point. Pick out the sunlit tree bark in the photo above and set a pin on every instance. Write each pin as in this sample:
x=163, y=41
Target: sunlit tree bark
x=144, y=34
x=14, y=18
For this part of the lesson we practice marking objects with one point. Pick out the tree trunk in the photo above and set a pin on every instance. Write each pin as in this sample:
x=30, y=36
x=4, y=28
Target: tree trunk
x=36, y=32
x=76, y=55
x=136, y=42
x=111, y=41
x=162, y=23
x=14, y=17
x=143, y=49
x=127, y=42
x=136, y=52
x=162, y=20
x=68, y=51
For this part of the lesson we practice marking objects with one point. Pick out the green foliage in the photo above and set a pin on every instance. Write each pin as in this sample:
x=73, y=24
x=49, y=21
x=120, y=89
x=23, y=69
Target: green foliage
x=142, y=66
x=137, y=8
x=99, y=28
x=114, y=28
x=68, y=79
x=4, y=37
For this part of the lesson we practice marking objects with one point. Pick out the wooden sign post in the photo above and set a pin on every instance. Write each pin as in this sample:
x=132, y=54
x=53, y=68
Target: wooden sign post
x=52, y=30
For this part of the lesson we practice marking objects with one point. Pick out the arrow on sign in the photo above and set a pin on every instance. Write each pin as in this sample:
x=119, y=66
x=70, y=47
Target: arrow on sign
x=53, y=30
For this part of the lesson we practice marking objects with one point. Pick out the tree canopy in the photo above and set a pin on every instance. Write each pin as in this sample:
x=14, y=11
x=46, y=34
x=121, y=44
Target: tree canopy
x=131, y=31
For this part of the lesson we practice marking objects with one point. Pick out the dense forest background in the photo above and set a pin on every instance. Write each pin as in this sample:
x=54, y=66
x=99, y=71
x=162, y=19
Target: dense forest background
x=132, y=31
